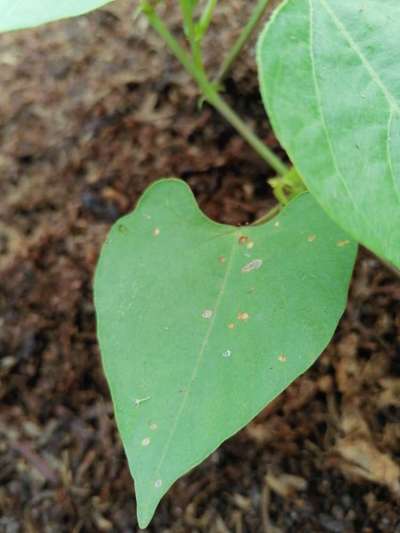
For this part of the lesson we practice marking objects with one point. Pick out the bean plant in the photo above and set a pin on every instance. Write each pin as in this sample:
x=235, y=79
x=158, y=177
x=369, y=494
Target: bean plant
x=202, y=324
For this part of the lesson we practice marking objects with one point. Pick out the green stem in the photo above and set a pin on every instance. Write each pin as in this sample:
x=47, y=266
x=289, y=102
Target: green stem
x=206, y=17
x=241, y=40
x=191, y=33
x=262, y=149
x=210, y=93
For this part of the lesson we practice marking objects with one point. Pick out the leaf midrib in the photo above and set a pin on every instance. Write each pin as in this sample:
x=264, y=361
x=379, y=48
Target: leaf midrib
x=390, y=98
x=393, y=106
x=199, y=358
x=318, y=97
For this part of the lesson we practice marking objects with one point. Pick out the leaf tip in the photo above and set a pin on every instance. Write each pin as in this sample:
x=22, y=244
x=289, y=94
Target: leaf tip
x=148, y=495
x=144, y=515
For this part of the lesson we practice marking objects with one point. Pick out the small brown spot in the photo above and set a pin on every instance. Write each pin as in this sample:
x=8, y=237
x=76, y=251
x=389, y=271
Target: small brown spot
x=253, y=265
x=146, y=441
x=243, y=316
x=231, y=326
x=282, y=358
x=243, y=239
x=156, y=232
x=342, y=243
x=207, y=313
x=311, y=238
x=221, y=259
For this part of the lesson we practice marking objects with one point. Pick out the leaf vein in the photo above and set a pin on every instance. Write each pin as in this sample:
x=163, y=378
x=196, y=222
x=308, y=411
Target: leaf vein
x=390, y=98
x=321, y=112
x=198, y=359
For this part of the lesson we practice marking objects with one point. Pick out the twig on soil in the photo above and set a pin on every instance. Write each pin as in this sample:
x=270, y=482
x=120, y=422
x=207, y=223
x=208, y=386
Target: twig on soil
x=36, y=460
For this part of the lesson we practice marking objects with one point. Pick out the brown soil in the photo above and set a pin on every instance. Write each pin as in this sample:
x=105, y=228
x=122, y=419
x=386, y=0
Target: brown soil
x=91, y=112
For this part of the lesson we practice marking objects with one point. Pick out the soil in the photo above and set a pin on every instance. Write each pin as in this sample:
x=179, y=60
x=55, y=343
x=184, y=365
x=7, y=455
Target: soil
x=92, y=111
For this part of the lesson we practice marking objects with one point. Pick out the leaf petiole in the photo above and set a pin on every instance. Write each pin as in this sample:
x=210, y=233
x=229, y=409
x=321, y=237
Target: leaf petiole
x=209, y=91
x=243, y=38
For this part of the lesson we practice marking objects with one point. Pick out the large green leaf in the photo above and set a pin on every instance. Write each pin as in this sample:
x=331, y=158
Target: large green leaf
x=330, y=78
x=17, y=14
x=201, y=324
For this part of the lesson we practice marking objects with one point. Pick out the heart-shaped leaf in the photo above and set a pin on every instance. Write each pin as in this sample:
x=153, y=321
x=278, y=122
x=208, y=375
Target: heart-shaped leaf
x=202, y=324
x=329, y=76
x=17, y=14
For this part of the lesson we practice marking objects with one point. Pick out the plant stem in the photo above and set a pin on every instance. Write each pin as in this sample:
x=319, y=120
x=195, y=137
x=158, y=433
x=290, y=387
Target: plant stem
x=262, y=149
x=206, y=17
x=241, y=40
x=209, y=92
x=190, y=32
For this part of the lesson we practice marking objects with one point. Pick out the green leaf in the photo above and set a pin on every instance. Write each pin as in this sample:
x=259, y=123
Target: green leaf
x=329, y=77
x=17, y=14
x=202, y=324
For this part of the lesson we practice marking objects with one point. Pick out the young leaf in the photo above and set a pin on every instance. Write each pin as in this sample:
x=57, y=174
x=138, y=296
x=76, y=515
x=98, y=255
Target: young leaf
x=202, y=324
x=17, y=14
x=329, y=79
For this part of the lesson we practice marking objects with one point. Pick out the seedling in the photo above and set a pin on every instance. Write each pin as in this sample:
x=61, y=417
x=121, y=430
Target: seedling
x=202, y=324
